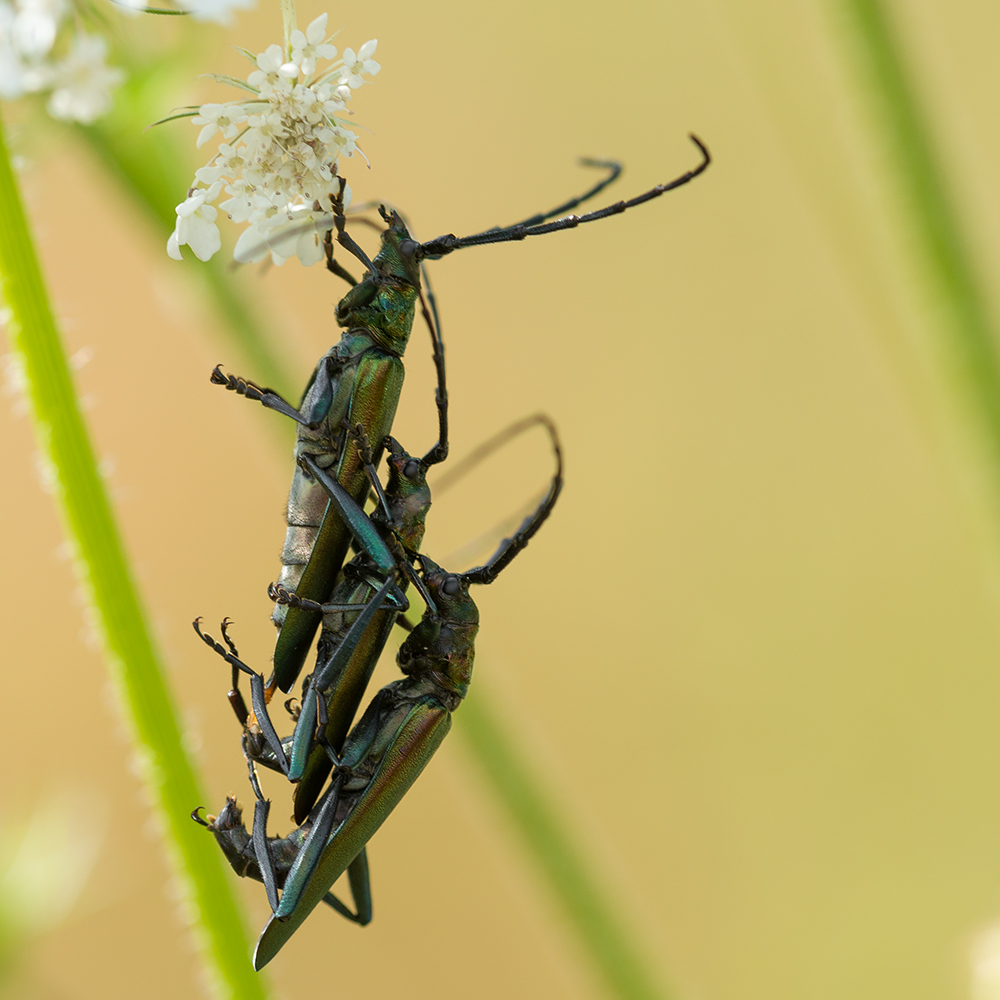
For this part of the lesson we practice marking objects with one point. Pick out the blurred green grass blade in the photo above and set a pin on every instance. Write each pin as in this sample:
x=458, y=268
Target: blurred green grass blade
x=100, y=560
x=155, y=168
x=590, y=912
x=940, y=247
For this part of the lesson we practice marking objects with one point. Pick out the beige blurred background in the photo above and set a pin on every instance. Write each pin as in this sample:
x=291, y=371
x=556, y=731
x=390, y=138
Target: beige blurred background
x=755, y=654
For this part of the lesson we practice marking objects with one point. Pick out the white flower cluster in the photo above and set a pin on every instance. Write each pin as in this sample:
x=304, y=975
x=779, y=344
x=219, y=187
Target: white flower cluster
x=277, y=158
x=79, y=83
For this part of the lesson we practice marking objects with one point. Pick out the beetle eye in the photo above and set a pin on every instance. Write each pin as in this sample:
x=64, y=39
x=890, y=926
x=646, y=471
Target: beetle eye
x=451, y=586
x=412, y=469
x=408, y=247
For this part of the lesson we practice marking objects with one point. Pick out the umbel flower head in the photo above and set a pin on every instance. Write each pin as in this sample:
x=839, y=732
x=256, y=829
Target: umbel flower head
x=278, y=151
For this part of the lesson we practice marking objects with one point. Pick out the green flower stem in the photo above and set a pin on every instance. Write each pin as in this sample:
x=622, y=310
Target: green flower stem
x=100, y=560
x=940, y=247
x=154, y=167
x=530, y=807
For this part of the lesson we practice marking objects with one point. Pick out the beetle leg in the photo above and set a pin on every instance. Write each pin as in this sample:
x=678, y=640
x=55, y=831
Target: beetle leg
x=312, y=848
x=414, y=578
x=339, y=222
x=266, y=397
x=257, y=696
x=257, y=699
x=439, y=452
x=235, y=695
x=258, y=837
x=353, y=516
x=323, y=677
x=361, y=887
x=333, y=266
x=336, y=663
x=361, y=892
x=357, y=433
x=281, y=595
x=321, y=738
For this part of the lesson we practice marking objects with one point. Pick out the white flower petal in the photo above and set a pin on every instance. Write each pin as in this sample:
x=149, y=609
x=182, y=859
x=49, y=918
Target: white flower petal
x=309, y=249
x=270, y=59
x=206, y=133
x=33, y=32
x=201, y=234
x=316, y=31
x=191, y=203
x=367, y=50
x=250, y=247
x=208, y=175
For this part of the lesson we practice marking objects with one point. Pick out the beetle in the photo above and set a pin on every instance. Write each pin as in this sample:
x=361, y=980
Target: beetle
x=396, y=737
x=401, y=514
x=359, y=380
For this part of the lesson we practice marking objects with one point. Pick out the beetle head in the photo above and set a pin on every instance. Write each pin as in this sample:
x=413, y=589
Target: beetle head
x=450, y=592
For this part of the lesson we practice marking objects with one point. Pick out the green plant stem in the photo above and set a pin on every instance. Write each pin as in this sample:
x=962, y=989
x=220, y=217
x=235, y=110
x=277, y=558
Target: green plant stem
x=100, y=560
x=937, y=241
x=530, y=807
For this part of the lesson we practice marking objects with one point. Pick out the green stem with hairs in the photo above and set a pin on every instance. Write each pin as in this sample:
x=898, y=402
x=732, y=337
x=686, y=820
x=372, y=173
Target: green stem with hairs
x=133, y=661
x=938, y=244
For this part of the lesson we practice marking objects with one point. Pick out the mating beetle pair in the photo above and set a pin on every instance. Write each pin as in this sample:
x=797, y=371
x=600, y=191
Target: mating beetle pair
x=384, y=752
x=351, y=400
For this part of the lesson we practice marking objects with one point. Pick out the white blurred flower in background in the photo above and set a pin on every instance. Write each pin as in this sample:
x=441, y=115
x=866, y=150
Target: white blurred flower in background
x=43, y=50
x=82, y=83
x=45, y=865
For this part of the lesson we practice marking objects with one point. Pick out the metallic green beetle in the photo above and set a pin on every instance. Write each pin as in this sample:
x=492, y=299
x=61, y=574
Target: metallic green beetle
x=399, y=733
x=401, y=515
x=359, y=381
